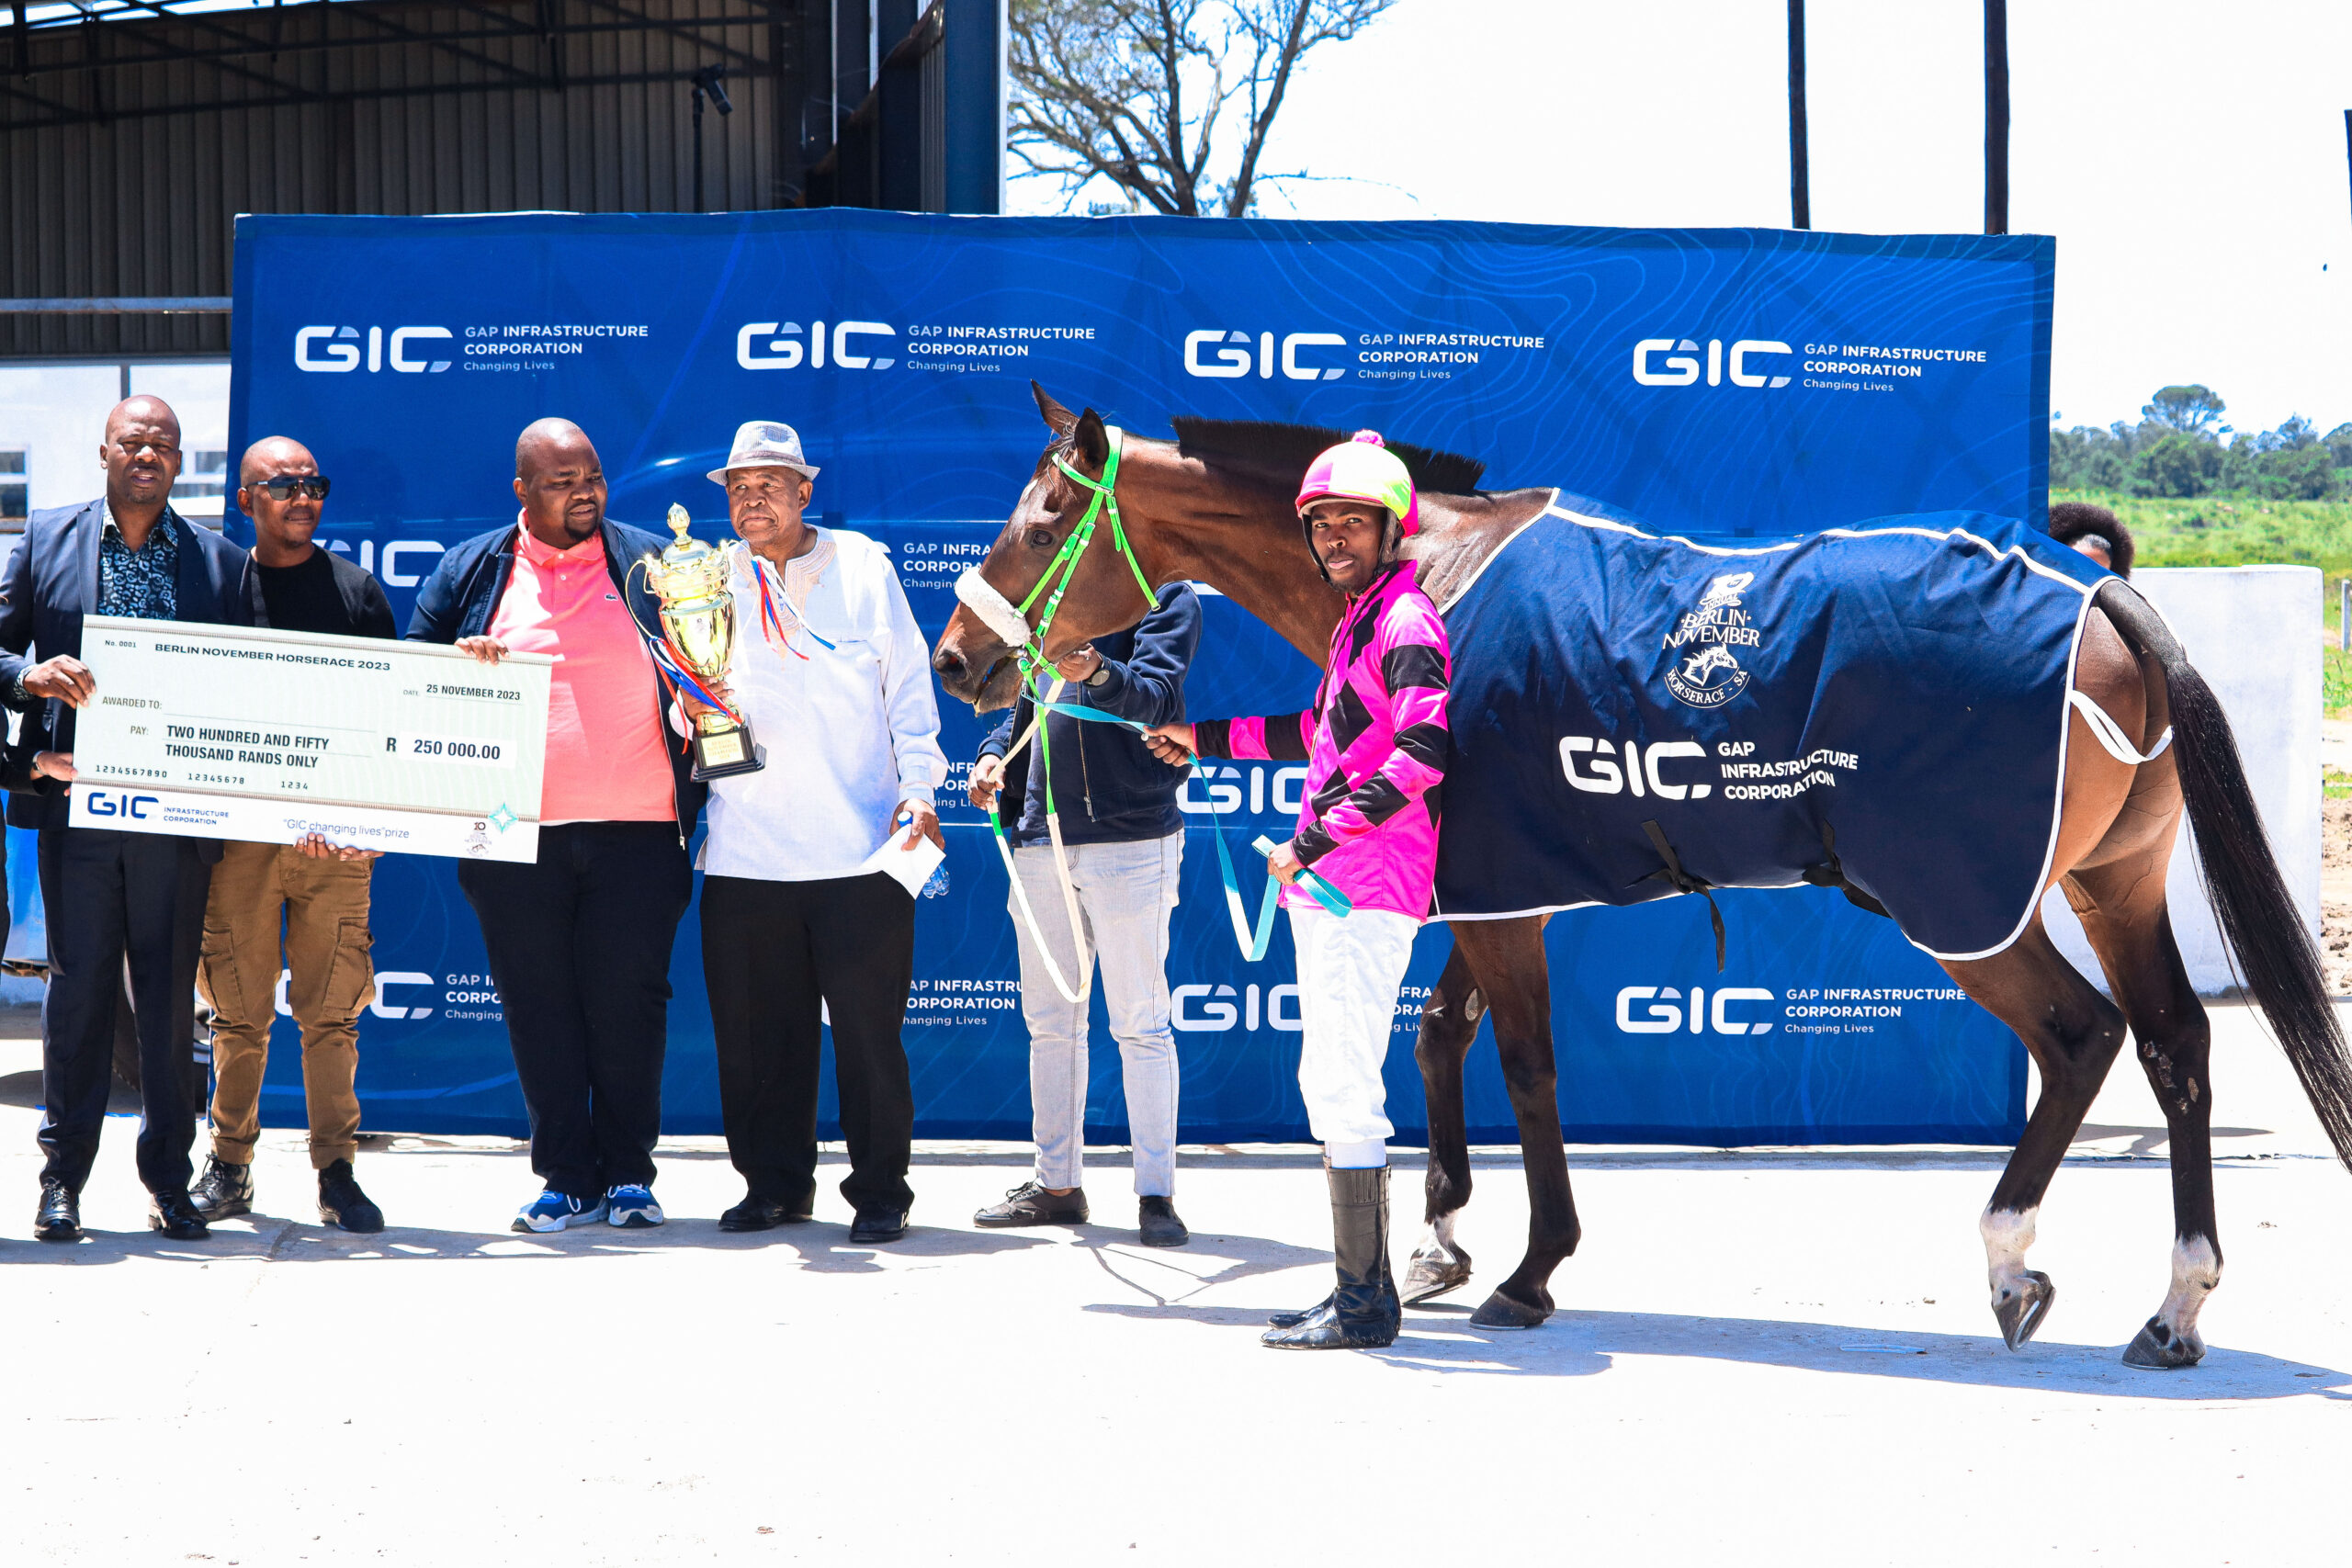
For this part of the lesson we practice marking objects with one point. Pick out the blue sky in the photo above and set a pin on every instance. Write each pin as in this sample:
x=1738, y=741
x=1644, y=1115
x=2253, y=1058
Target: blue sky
x=2189, y=158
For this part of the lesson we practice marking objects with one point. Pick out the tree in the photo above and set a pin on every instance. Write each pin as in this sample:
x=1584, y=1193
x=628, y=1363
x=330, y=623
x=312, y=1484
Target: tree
x=2192, y=409
x=2339, y=444
x=2298, y=473
x=1134, y=91
x=2176, y=465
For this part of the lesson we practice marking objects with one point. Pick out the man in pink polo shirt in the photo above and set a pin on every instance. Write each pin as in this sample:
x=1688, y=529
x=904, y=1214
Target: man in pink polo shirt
x=579, y=942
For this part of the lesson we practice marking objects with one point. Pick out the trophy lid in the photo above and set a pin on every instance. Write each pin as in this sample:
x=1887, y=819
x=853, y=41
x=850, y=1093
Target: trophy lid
x=684, y=550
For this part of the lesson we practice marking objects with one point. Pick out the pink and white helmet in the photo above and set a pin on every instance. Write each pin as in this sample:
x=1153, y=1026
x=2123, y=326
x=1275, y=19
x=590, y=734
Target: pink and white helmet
x=1364, y=469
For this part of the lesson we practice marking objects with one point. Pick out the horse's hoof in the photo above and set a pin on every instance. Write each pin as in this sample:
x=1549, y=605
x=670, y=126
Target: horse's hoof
x=1501, y=1310
x=2022, y=1307
x=1430, y=1275
x=2157, y=1349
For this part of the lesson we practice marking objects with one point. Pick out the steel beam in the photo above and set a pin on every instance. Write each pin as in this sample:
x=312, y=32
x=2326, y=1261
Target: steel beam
x=121, y=305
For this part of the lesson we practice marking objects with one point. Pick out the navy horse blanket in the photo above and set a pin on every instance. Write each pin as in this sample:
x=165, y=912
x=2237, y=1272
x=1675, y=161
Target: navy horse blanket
x=1636, y=715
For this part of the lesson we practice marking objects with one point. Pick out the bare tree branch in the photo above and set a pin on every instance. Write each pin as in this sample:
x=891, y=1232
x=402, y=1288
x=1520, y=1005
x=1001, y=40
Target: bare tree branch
x=1134, y=91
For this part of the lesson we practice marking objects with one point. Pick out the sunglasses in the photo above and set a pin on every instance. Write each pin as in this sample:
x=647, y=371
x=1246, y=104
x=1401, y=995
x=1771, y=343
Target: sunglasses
x=313, y=485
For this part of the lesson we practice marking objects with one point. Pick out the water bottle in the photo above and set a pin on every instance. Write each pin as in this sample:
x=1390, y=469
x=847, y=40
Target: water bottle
x=937, y=886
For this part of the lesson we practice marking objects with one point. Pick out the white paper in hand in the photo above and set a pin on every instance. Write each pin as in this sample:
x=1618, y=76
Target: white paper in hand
x=911, y=868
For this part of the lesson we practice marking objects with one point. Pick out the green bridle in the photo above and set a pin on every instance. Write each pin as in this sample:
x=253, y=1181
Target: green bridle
x=1057, y=576
x=1066, y=560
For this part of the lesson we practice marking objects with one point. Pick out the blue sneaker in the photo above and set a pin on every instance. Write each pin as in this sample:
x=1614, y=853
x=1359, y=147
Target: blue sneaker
x=631, y=1207
x=551, y=1211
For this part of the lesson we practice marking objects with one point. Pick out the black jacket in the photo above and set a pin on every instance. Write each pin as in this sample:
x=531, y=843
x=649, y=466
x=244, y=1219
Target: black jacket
x=50, y=583
x=462, y=594
x=1108, y=788
x=363, y=596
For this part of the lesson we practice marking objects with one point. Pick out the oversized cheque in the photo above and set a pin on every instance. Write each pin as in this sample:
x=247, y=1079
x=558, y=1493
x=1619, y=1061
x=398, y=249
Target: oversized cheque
x=239, y=732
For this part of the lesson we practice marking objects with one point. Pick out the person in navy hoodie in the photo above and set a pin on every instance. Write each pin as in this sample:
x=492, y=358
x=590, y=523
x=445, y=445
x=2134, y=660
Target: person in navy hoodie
x=1125, y=850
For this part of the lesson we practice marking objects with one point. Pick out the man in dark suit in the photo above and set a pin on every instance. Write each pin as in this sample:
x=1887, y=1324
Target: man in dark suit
x=111, y=893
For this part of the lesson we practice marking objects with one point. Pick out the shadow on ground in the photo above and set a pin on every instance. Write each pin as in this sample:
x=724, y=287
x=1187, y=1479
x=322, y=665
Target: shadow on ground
x=1438, y=1338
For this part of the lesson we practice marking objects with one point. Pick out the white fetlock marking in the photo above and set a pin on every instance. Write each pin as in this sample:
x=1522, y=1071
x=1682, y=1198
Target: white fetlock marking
x=1437, y=1239
x=2196, y=1269
x=2008, y=1233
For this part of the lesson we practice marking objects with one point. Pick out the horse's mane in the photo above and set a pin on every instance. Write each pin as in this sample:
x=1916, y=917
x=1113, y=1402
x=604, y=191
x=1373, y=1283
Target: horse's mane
x=1289, y=448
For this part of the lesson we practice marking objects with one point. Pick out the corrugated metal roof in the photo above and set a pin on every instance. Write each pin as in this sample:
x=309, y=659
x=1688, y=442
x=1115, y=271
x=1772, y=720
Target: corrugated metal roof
x=130, y=146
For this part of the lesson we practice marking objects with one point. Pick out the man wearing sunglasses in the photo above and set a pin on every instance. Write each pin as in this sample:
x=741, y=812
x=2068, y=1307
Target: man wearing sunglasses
x=111, y=896
x=316, y=891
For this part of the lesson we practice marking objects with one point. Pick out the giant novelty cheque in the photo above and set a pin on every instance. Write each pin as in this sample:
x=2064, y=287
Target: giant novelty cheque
x=239, y=732
x=1727, y=385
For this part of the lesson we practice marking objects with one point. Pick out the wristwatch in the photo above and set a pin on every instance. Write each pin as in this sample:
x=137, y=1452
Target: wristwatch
x=1102, y=673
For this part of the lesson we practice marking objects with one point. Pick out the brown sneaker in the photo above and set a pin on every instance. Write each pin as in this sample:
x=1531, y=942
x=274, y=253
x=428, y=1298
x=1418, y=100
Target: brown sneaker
x=1030, y=1204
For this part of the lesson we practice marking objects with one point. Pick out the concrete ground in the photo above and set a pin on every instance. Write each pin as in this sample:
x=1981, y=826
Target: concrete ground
x=1763, y=1356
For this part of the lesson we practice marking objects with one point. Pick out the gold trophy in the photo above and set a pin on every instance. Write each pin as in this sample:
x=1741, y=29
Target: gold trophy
x=690, y=578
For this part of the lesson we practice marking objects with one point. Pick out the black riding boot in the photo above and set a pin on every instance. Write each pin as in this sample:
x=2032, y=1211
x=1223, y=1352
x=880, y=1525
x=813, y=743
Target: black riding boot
x=1362, y=1313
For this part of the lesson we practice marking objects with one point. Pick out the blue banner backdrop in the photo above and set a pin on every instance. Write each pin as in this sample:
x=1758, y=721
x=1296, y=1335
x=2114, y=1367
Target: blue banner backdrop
x=1731, y=382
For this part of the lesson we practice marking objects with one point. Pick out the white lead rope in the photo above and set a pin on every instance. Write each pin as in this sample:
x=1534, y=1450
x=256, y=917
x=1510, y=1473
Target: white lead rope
x=2110, y=734
x=1072, y=994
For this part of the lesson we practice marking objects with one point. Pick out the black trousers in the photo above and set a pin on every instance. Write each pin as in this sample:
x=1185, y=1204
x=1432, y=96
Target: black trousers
x=579, y=945
x=109, y=895
x=771, y=951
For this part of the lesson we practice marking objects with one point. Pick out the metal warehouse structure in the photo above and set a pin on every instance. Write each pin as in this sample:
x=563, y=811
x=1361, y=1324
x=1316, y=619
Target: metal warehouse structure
x=132, y=131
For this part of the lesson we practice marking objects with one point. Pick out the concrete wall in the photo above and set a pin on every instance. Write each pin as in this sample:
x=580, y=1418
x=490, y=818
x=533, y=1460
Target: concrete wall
x=2255, y=633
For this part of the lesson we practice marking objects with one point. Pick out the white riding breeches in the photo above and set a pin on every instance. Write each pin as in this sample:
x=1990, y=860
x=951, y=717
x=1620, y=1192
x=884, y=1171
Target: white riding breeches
x=1349, y=970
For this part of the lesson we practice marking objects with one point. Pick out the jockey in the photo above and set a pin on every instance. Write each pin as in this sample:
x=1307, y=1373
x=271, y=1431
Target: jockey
x=1374, y=745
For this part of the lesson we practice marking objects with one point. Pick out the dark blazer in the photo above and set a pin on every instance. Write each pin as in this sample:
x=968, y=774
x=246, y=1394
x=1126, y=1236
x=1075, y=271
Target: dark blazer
x=1108, y=786
x=50, y=583
x=459, y=600
x=363, y=596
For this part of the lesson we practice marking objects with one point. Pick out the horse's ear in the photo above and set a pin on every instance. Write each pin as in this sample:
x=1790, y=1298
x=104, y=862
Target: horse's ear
x=1059, y=420
x=1093, y=442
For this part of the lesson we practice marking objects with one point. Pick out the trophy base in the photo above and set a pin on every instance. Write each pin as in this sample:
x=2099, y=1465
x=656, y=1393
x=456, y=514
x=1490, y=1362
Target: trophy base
x=720, y=752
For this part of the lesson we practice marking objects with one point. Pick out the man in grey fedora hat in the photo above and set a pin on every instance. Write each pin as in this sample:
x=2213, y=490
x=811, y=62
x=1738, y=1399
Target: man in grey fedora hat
x=833, y=679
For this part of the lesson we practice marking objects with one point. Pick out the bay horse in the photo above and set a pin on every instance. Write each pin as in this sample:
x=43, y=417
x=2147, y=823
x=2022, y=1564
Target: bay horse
x=1214, y=505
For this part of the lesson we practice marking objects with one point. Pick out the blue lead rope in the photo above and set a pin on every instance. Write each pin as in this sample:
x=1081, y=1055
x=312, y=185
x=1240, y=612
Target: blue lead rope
x=1253, y=941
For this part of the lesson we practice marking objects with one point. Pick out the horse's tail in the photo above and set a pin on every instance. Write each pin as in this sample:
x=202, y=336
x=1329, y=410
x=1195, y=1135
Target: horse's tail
x=2275, y=953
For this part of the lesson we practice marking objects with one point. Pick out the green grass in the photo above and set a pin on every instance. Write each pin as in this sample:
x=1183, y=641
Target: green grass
x=2212, y=531
x=2335, y=679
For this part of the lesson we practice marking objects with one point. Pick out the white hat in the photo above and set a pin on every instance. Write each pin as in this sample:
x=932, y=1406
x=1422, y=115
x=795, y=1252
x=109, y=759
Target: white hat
x=764, y=443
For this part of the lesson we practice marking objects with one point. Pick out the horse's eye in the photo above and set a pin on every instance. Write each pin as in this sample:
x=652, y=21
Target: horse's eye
x=1041, y=538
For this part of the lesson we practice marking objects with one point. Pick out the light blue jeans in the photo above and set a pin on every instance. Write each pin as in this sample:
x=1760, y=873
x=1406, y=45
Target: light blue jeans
x=1124, y=893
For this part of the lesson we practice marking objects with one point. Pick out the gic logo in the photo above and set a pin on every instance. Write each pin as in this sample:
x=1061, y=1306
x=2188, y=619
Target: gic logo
x=1591, y=766
x=776, y=345
x=1665, y=1014
x=113, y=803
x=1682, y=366
x=1232, y=362
x=1215, y=1013
x=335, y=350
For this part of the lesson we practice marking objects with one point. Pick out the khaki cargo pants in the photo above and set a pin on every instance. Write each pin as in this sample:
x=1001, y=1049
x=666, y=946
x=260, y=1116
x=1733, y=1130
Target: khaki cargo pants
x=322, y=905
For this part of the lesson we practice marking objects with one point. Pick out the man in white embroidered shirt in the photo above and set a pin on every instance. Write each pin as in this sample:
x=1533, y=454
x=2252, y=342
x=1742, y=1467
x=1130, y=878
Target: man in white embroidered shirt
x=833, y=679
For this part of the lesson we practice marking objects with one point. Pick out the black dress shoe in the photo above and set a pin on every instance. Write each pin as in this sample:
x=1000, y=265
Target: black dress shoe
x=60, y=1215
x=175, y=1216
x=223, y=1191
x=878, y=1224
x=1160, y=1225
x=760, y=1214
x=1031, y=1204
x=343, y=1205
